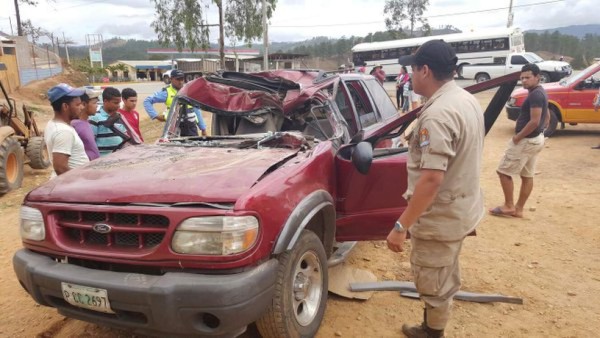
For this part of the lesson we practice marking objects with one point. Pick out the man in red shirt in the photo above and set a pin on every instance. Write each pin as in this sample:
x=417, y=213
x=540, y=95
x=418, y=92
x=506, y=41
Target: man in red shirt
x=128, y=111
x=379, y=73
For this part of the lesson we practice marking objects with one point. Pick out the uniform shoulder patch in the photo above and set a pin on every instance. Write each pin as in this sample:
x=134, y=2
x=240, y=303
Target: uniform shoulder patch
x=423, y=137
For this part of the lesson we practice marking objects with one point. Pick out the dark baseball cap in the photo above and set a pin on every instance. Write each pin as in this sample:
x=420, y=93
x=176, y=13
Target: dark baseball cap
x=61, y=90
x=437, y=54
x=176, y=74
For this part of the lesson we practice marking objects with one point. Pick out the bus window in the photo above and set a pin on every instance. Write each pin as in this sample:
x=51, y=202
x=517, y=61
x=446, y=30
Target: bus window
x=366, y=114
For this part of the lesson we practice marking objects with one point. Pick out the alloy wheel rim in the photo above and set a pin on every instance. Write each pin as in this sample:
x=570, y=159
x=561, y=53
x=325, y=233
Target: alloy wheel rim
x=307, y=288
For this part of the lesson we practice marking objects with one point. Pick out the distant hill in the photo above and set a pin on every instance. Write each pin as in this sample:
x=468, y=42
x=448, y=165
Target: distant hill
x=576, y=30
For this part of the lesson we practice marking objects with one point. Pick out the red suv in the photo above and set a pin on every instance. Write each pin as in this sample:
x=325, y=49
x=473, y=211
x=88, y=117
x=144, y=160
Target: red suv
x=570, y=101
x=205, y=235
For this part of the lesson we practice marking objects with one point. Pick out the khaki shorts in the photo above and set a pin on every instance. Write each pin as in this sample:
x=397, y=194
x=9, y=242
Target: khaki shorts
x=519, y=159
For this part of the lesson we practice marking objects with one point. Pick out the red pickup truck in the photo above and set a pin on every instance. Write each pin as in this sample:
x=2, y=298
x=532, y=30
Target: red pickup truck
x=570, y=101
x=203, y=236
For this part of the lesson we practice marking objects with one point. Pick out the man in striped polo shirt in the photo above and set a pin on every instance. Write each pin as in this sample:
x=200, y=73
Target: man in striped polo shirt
x=109, y=129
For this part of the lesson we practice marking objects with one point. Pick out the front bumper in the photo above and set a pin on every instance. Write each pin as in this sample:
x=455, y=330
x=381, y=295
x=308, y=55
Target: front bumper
x=558, y=75
x=512, y=112
x=173, y=304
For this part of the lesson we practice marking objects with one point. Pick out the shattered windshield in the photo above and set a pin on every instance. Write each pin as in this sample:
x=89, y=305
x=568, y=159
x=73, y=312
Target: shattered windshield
x=310, y=123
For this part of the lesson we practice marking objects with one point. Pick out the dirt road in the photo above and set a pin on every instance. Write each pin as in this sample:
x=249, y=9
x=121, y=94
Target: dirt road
x=550, y=258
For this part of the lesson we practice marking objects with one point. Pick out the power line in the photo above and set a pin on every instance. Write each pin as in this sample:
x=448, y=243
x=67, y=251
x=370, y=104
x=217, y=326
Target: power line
x=428, y=17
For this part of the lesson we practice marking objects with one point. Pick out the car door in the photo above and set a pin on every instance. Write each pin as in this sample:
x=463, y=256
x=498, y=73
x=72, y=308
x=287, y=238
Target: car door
x=580, y=105
x=368, y=205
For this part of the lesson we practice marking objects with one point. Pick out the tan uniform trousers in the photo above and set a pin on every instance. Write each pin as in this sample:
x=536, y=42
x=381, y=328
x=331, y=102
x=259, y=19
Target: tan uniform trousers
x=436, y=274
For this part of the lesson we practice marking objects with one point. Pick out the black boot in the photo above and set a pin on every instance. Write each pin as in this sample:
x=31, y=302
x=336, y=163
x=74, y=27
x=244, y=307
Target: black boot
x=422, y=331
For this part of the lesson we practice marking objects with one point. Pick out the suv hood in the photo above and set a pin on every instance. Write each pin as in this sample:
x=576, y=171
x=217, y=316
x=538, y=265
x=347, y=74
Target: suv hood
x=163, y=174
x=555, y=63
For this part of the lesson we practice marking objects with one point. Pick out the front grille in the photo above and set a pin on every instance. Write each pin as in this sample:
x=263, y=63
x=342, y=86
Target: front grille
x=126, y=230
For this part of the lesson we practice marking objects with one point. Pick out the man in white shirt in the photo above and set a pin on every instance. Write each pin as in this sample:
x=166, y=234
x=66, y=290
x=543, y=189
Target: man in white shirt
x=64, y=145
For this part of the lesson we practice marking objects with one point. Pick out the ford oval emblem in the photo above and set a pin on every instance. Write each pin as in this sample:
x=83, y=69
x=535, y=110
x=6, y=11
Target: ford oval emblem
x=102, y=228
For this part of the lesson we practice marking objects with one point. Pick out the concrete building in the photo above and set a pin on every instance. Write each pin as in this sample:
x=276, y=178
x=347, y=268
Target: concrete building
x=134, y=70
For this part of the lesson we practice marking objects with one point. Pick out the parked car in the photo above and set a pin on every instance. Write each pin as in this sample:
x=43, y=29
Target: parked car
x=569, y=101
x=550, y=70
x=205, y=235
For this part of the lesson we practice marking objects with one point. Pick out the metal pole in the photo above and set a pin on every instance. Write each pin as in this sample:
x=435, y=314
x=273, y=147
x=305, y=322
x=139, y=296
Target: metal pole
x=265, y=36
x=48, y=57
x=10, y=23
x=34, y=63
x=221, y=35
x=18, y=14
x=510, y=15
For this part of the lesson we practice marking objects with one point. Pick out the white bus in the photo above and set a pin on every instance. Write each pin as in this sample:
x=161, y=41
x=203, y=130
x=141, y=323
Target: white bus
x=471, y=48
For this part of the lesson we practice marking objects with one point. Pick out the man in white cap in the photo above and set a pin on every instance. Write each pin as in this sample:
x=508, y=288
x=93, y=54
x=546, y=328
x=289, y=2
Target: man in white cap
x=379, y=73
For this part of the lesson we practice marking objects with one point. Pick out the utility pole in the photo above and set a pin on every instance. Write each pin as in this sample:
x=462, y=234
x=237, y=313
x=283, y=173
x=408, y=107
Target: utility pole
x=265, y=36
x=19, y=27
x=10, y=23
x=66, y=48
x=221, y=34
x=510, y=15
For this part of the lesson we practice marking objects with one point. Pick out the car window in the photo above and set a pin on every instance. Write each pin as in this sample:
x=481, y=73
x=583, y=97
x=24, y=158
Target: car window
x=591, y=82
x=518, y=60
x=345, y=107
x=382, y=100
x=366, y=114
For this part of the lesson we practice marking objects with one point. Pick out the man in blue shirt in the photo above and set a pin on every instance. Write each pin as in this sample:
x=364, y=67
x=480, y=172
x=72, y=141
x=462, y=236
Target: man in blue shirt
x=109, y=129
x=188, y=119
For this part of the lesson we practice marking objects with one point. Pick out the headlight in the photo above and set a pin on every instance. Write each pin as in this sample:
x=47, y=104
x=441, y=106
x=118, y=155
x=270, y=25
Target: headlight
x=217, y=235
x=32, y=224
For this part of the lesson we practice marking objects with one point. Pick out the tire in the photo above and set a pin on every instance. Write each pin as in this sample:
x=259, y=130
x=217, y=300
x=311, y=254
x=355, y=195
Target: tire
x=11, y=165
x=553, y=121
x=38, y=153
x=482, y=77
x=300, y=296
x=166, y=80
x=545, y=77
x=459, y=72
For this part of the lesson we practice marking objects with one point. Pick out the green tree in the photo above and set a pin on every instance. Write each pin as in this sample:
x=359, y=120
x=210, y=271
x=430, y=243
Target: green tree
x=180, y=22
x=34, y=32
x=398, y=11
x=243, y=19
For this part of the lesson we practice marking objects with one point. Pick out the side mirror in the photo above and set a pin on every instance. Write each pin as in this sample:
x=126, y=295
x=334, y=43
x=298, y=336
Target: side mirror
x=362, y=157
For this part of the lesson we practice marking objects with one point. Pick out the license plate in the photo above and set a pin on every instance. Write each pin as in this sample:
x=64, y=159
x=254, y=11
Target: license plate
x=86, y=297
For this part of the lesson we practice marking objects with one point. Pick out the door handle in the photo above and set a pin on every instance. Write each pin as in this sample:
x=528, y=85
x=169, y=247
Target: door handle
x=574, y=104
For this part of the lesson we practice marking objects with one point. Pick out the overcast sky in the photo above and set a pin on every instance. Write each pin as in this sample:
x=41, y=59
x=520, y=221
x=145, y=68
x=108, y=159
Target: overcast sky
x=296, y=20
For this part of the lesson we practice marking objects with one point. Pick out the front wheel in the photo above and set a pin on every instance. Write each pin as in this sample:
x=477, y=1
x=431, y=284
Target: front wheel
x=544, y=77
x=167, y=80
x=482, y=77
x=300, y=296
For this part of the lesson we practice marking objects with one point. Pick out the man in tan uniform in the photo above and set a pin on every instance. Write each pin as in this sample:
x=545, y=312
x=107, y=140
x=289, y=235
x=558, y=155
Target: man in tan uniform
x=445, y=202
